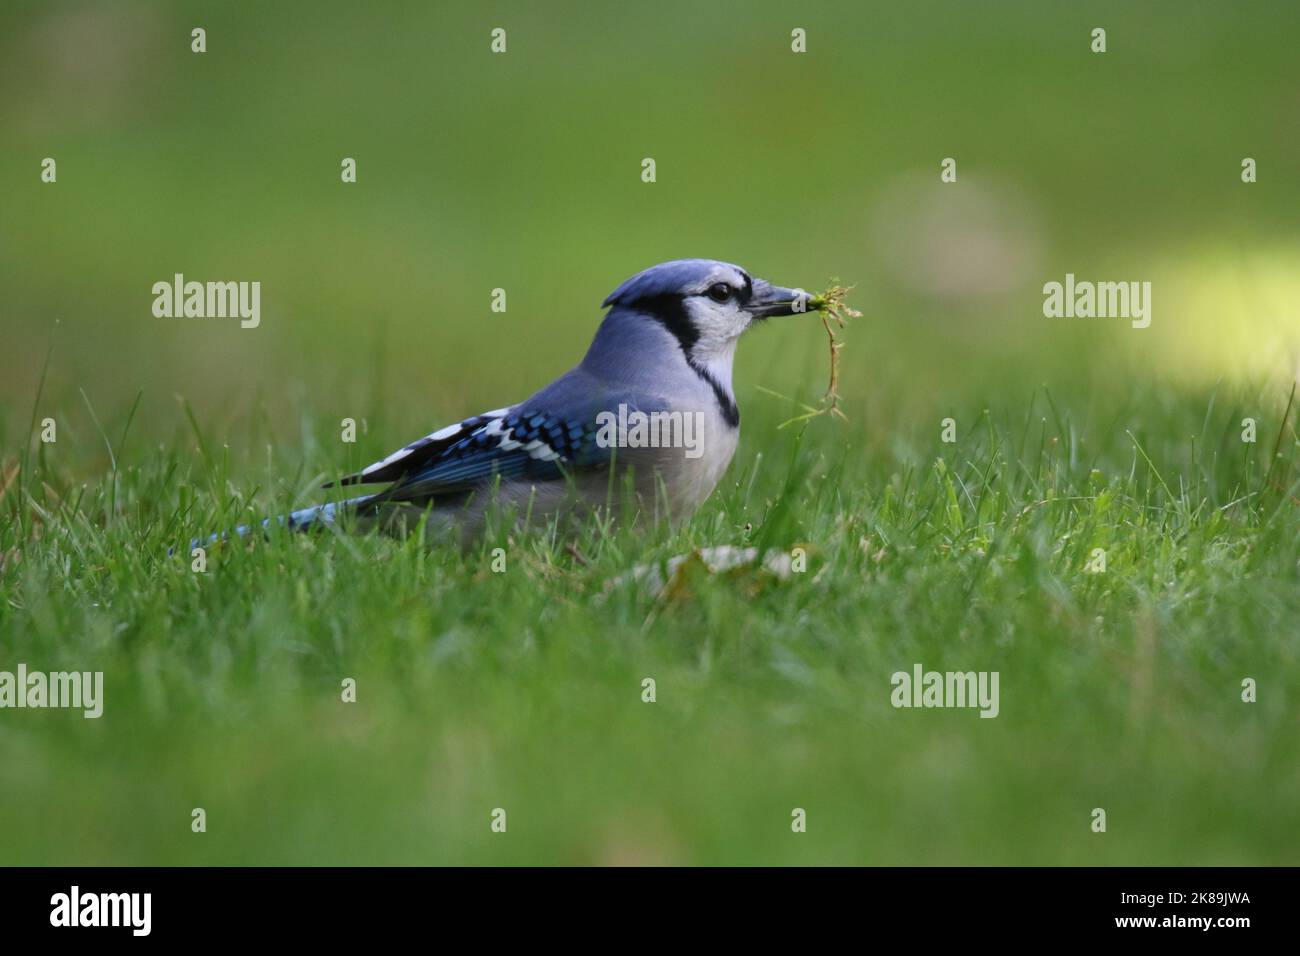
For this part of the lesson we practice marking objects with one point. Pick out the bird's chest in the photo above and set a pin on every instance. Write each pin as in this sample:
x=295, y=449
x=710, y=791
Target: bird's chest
x=691, y=478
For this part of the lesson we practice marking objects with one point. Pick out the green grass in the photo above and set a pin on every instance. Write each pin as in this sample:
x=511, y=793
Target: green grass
x=522, y=689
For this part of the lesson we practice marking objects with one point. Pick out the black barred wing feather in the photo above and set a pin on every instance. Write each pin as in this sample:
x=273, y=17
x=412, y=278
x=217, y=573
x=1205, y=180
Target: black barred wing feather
x=528, y=445
x=420, y=453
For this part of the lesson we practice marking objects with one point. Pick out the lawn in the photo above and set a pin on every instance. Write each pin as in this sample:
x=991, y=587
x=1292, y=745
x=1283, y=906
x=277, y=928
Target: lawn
x=522, y=689
x=949, y=161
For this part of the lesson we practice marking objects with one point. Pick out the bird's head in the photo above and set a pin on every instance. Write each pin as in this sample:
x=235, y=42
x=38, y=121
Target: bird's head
x=706, y=304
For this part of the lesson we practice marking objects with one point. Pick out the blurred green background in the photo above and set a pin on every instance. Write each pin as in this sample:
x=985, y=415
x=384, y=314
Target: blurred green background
x=522, y=171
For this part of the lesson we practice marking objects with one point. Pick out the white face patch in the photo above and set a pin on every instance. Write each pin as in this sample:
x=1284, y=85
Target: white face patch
x=718, y=324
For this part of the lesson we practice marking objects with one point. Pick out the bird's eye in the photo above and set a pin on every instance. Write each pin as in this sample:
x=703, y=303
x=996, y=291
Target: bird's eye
x=719, y=292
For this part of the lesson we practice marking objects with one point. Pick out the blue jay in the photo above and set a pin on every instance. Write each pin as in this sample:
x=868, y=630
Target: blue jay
x=662, y=354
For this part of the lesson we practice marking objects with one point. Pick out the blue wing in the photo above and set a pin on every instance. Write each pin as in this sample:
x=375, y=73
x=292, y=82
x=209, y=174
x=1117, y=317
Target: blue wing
x=528, y=444
x=546, y=438
x=420, y=453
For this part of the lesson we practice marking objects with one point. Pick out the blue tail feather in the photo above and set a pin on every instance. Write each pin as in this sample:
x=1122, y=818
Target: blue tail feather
x=304, y=519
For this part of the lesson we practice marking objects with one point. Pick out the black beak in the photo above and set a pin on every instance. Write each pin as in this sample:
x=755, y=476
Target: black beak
x=769, y=300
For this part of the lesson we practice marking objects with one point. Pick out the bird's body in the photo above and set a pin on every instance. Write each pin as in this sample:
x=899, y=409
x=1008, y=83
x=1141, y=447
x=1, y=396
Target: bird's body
x=663, y=352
